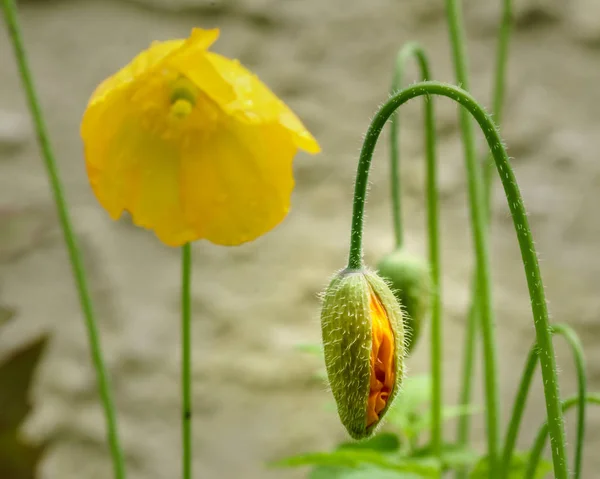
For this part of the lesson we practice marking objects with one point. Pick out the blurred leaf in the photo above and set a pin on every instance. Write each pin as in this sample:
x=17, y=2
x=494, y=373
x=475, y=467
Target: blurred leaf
x=15, y=378
x=424, y=421
x=316, y=349
x=454, y=456
x=328, y=472
x=18, y=459
x=6, y=314
x=362, y=473
x=409, y=404
x=410, y=412
x=357, y=458
x=384, y=442
x=518, y=467
x=416, y=391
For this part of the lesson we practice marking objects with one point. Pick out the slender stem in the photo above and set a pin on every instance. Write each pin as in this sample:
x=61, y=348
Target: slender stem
x=540, y=440
x=186, y=359
x=461, y=72
x=521, y=399
x=499, y=84
x=103, y=382
x=395, y=181
x=461, y=69
x=466, y=390
x=577, y=348
x=518, y=410
x=408, y=51
x=524, y=237
x=497, y=109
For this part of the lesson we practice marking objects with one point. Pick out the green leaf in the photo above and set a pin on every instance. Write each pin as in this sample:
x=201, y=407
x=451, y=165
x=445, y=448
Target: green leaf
x=518, y=467
x=18, y=459
x=358, y=458
x=6, y=314
x=454, y=456
x=362, y=473
x=16, y=373
x=424, y=421
x=310, y=348
x=383, y=442
x=408, y=406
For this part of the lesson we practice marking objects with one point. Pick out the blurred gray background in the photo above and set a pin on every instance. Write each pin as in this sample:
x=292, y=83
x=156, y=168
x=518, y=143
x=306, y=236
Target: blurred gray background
x=255, y=397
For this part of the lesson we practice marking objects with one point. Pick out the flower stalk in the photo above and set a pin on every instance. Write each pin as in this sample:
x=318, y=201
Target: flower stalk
x=415, y=51
x=538, y=446
x=102, y=377
x=186, y=359
x=526, y=245
x=455, y=19
x=521, y=399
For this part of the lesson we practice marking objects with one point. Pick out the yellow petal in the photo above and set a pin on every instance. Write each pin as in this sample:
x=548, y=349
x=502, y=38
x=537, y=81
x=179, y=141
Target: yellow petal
x=151, y=58
x=237, y=183
x=257, y=103
x=134, y=171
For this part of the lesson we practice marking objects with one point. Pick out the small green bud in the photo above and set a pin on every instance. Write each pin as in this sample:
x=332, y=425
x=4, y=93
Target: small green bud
x=363, y=342
x=410, y=280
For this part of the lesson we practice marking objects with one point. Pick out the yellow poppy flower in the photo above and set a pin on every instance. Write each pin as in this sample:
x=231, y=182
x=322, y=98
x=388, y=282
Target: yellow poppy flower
x=192, y=145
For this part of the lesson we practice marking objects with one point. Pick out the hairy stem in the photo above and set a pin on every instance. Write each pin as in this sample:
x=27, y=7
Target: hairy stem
x=540, y=440
x=408, y=51
x=523, y=392
x=526, y=245
x=102, y=378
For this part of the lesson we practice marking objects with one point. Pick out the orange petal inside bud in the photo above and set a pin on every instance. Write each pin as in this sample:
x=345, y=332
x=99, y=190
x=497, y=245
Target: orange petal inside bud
x=382, y=360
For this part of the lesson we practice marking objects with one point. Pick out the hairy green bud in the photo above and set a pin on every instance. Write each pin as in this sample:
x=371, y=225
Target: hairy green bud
x=363, y=342
x=410, y=280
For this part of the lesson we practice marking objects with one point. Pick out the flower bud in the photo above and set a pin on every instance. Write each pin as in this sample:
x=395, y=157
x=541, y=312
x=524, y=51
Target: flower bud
x=410, y=281
x=363, y=342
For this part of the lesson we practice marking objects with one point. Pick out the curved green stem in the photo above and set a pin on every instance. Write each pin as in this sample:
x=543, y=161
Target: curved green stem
x=103, y=382
x=540, y=440
x=528, y=254
x=521, y=399
x=407, y=52
x=186, y=358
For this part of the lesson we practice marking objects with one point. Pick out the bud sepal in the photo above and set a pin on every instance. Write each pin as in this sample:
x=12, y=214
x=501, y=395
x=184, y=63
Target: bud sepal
x=363, y=341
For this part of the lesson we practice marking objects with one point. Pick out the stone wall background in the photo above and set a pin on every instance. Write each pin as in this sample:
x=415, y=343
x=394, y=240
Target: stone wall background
x=255, y=397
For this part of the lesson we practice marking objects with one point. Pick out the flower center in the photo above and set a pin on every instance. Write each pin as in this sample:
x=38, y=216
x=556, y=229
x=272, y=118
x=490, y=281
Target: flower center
x=183, y=97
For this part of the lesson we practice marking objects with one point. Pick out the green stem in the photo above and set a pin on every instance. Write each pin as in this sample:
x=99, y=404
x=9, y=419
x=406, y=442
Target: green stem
x=461, y=70
x=499, y=84
x=466, y=390
x=498, y=101
x=540, y=440
x=526, y=245
x=461, y=73
x=103, y=382
x=186, y=359
x=518, y=410
x=408, y=51
x=521, y=399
